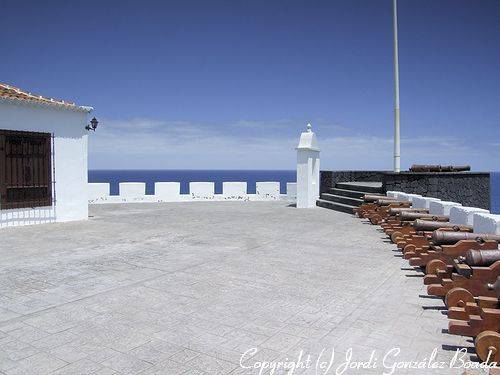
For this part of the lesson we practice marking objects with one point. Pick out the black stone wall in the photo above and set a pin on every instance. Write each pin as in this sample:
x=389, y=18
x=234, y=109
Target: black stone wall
x=467, y=188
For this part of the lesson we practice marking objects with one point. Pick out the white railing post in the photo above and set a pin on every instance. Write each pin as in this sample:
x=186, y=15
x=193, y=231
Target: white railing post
x=307, y=169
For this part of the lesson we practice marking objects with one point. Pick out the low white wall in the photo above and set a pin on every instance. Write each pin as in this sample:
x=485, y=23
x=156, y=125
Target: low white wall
x=98, y=191
x=423, y=202
x=401, y=196
x=291, y=191
x=168, y=191
x=135, y=192
x=202, y=190
x=441, y=207
x=486, y=223
x=392, y=194
x=268, y=190
x=132, y=189
x=464, y=215
x=480, y=219
x=411, y=197
x=234, y=190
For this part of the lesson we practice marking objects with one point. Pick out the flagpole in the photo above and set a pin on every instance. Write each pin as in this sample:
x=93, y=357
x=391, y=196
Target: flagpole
x=397, y=148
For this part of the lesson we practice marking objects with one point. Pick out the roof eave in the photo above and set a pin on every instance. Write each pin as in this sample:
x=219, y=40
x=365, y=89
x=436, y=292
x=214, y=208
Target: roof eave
x=51, y=105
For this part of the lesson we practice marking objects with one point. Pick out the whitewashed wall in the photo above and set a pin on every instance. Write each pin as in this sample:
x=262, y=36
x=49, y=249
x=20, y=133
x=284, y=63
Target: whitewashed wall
x=70, y=160
x=480, y=219
x=134, y=192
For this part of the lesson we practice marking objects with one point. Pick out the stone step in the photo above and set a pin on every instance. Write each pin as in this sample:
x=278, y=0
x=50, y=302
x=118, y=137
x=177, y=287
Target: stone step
x=356, y=202
x=335, y=206
x=348, y=193
x=366, y=187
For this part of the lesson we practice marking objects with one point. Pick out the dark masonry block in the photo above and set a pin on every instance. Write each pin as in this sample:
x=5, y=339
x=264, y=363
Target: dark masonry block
x=467, y=188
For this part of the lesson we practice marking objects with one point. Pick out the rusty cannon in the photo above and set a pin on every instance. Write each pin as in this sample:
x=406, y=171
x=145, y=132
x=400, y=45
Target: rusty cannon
x=440, y=260
x=399, y=226
x=398, y=217
x=468, y=281
x=477, y=316
x=480, y=318
x=421, y=230
x=473, y=301
x=447, y=237
x=369, y=204
x=462, y=240
x=381, y=213
x=439, y=168
x=487, y=343
x=487, y=320
x=465, y=304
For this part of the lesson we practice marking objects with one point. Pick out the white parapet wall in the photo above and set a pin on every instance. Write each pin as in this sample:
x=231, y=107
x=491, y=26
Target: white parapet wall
x=291, y=191
x=135, y=192
x=404, y=196
x=268, y=190
x=423, y=202
x=411, y=197
x=392, y=194
x=168, y=191
x=98, y=191
x=132, y=189
x=202, y=190
x=486, y=223
x=401, y=196
x=441, y=207
x=464, y=215
x=232, y=190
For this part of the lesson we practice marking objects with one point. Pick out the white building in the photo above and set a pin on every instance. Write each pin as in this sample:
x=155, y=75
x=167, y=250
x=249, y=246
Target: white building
x=43, y=159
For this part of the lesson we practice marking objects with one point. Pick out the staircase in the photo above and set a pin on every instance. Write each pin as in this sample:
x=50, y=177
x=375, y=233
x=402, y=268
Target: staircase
x=348, y=195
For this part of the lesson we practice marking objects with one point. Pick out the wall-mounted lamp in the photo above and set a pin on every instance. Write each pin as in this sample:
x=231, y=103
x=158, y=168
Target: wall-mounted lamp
x=93, y=124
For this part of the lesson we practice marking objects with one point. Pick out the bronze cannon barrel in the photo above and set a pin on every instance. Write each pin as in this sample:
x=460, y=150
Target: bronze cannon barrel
x=412, y=215
x=481, y=257
x=449, y=238
x=439, y=168
x=399, y=210
x=426, y=225
x=374, y=197
x=386, y=202
x=460, y=168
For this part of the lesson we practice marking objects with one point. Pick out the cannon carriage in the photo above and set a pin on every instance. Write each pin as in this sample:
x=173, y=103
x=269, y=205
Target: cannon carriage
x=468, y=277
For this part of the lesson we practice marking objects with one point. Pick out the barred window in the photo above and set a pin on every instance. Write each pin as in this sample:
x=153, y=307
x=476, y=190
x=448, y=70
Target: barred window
x=25, y=169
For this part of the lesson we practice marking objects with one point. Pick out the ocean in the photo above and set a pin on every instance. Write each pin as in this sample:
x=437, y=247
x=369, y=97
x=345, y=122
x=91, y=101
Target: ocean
x=218, y=176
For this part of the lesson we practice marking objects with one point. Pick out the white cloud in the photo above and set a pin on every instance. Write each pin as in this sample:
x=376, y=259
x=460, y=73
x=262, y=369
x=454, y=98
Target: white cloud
x=248, y=144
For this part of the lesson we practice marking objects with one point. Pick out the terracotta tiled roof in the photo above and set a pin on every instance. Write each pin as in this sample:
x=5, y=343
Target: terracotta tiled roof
x=14, y=93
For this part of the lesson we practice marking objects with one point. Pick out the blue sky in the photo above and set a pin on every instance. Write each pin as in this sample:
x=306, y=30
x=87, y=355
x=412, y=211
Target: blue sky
x=230, y=84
